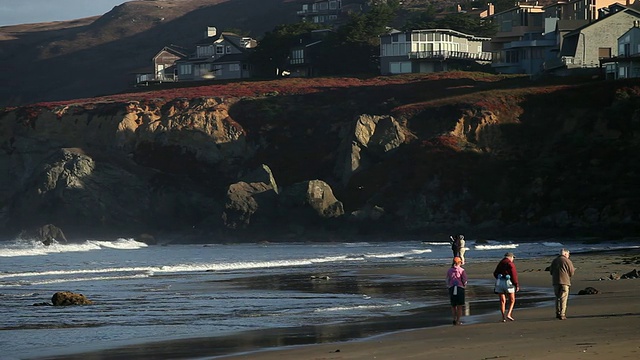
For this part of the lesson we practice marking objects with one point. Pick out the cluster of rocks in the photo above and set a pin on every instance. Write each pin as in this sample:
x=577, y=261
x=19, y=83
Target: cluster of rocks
x=633, y=274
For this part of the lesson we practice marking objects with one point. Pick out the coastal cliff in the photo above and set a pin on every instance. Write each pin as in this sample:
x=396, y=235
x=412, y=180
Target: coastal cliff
x=329, y=159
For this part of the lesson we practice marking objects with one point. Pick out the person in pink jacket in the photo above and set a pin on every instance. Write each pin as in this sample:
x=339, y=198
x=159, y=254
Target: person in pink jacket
x=456, y=282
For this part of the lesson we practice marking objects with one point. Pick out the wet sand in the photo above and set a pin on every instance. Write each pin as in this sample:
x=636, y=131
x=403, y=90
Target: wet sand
x=599, y=326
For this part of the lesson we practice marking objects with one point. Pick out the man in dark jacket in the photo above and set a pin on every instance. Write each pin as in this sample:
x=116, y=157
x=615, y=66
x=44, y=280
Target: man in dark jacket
x=561, y=272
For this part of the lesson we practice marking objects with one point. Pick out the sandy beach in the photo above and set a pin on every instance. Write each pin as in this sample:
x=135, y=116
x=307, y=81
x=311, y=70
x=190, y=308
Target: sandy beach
x=601, y=326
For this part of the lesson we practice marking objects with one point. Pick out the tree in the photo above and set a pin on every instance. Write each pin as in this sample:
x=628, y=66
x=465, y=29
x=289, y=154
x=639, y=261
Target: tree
x=467, y=24
x=273, y=50
x=354, y=48
x=421, y=20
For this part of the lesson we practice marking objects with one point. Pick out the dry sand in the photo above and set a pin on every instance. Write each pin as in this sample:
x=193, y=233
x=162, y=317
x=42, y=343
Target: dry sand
x=602, y=326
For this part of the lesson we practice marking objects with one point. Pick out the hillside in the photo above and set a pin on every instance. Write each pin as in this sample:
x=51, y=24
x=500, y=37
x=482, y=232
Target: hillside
x=96, y=56
x=331, y=158
x=101, y=55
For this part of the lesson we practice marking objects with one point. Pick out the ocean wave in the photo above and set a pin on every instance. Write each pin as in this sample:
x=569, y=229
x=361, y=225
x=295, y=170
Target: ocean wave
x=356, y=307
x=552, y=244
x=58, y=281
x=37, y=248
x=495, y=246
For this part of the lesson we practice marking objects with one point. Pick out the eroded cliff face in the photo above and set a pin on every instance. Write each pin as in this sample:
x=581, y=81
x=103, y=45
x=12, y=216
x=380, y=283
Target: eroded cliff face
x=303, y=167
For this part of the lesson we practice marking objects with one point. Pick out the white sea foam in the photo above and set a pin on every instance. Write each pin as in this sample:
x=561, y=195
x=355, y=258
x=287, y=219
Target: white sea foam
x=356, y=307
x=77, y=279
x=495, y=246
x=37, y=248
x=123, y=244
x=553, y=244
x=421, y=251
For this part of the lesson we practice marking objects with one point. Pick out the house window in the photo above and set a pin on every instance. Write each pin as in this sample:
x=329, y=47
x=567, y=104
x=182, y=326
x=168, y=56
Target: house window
x=220, y=49
x=185, y=69
x=604, y=52
x=401, y=67
x=228, y=49
x=297, y=56
x=622, y=72
x=333, y=4
x=204, y=51
x=234, y=67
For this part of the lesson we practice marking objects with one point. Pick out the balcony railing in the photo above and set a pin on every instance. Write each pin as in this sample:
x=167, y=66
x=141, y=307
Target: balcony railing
x=446, y=54
x=569, y=62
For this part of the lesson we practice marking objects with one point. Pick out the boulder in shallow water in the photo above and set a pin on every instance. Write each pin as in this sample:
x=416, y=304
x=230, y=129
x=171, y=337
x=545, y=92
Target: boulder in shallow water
x=64, y=298
x=48, y=234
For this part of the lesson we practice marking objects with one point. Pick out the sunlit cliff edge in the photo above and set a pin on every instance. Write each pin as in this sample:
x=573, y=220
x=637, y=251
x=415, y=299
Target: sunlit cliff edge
x=330, y=159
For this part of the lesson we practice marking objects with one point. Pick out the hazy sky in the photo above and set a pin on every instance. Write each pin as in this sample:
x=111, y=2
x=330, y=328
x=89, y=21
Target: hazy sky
x=14, y=12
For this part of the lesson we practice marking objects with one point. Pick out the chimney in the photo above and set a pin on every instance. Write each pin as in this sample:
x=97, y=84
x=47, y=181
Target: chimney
x=211, y=31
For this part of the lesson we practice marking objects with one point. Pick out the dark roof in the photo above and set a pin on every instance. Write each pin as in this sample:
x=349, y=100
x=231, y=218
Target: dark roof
x=176, y=50
x=617, y=9
x=568, y=25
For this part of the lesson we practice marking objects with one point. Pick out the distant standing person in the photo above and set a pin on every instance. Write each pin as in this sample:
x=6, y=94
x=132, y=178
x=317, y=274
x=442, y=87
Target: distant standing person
x=457, y=246
x=456, y=283
x=506, y=285
x=561, y=272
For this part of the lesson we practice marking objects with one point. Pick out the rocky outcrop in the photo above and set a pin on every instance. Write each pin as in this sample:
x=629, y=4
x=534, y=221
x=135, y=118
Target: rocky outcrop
x=48, y=234
x=257, y=190
x=369, y=139
x=492, y=163
x=66, y=298
x=310, y=199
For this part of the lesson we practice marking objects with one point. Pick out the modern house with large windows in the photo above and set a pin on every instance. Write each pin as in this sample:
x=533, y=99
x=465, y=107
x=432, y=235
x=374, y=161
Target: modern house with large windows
x=520, y=45
x=430, y=50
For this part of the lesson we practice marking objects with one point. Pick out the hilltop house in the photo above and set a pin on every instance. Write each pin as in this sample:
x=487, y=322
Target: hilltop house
x=304, y=54
x=430, y=50
x=219, y=55
x=520, y=46
x=586, y=46
x=627, y=63
x=164, y=66
x=320, y=11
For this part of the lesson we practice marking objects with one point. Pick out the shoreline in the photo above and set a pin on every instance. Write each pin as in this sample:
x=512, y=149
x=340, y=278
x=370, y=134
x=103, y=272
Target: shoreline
x=614, y=309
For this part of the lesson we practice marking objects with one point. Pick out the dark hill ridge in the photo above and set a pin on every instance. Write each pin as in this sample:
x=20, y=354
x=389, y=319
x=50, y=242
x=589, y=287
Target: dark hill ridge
x=404, y=156
x=90, y=58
